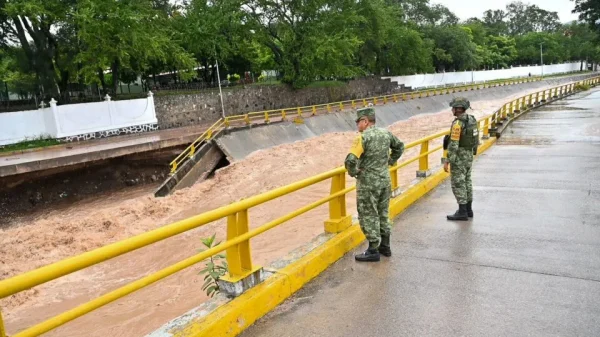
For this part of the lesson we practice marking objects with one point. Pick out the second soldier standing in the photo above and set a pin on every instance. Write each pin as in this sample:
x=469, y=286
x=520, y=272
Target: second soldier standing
x=464, y=140
x=369, y=161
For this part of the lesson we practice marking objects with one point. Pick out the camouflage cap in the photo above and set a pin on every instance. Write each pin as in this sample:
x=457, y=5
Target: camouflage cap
x=460, y=102
x=364, y=113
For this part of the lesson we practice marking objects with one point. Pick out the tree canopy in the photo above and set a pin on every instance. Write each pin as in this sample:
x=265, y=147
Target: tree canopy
x=48, y=45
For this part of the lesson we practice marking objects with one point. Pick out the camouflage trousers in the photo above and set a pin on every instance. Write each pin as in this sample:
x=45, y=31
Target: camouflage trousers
x=460, y=180
x=373, y=212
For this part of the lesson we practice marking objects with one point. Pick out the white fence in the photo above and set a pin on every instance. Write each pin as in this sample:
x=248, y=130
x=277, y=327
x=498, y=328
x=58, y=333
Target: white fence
x=431, y=80
x=75, y=120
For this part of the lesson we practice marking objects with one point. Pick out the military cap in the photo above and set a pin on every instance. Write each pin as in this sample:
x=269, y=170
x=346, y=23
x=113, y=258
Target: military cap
x=460, y=102
x=364, y=113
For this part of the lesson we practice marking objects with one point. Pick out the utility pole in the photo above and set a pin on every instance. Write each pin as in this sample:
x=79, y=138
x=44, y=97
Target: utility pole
x=220, y=91
x=542, y=58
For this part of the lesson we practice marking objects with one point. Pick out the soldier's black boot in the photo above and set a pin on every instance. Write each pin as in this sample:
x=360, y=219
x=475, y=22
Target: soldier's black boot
x=469, y=209
x=461, y=214
x=384, y=248
x=370, y=255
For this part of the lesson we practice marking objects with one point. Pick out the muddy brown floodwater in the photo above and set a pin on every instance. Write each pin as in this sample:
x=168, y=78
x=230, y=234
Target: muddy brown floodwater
x=85, y=226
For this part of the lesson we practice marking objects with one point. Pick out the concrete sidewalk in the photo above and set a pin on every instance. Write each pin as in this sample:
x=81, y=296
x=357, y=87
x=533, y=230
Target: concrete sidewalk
x=528, y=264
x=97, y=149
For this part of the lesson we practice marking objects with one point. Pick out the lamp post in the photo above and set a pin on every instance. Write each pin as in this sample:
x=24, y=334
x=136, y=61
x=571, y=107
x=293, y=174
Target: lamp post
x=220, y=91
x=542, y=58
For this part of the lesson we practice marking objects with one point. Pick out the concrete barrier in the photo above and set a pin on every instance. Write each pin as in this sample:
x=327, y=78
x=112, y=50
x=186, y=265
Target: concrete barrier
x=239, y=143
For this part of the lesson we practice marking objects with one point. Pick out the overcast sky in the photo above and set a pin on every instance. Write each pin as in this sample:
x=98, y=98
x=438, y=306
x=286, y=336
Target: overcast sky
x=465, y=9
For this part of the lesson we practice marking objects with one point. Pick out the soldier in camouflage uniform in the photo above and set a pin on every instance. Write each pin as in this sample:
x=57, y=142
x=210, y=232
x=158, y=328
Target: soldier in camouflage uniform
x=462, y=146
x=368, y=161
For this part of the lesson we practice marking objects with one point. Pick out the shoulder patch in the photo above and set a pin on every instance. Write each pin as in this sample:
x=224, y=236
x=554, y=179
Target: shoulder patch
x=456, y=130
x=357, y=147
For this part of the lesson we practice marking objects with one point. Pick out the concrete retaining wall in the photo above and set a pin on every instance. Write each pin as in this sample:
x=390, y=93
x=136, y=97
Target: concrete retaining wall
x=205, y=107
x=237, y=144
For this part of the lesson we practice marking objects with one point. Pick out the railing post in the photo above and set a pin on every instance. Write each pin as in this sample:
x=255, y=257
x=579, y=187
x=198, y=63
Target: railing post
x=283, y=115
x=2, y=329
x=385, y=100
x=247, y=118
x=374, y=100
x=339, y=220
x=395, y=98
x=353, y=104
x=341, y=106
x=299, y=119
x=486, y=129
x=242, y=274
x=192, y=150
x=328, y=108
x=267, y=120
x=544, y=96
x=504, y=112
x=423, y=171
x=511, y=109
x=394, y=179
x=364, y=103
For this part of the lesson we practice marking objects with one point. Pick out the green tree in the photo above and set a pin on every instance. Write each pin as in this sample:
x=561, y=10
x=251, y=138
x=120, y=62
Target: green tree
x=525, y=18
x=422, y=13
x=528, y=46
x=503, y=50
x=390, y=47
x=309, y=39
x=589, y=11
x=126, y=34
x=494, y=22
x=219, y=24
x=454, y=48
x=33, y=24
x=581, y=41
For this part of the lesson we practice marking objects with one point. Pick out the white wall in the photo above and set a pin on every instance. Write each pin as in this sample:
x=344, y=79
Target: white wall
x=75, y=119
x=430, y=80
x=16, y=126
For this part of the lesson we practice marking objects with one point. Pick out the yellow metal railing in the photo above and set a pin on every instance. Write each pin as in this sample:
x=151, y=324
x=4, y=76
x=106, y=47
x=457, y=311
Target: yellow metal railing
x=313, y=110
x=237, y=244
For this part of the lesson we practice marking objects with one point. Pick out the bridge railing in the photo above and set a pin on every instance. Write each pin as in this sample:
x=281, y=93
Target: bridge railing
x=237, y=244
x=313, y=110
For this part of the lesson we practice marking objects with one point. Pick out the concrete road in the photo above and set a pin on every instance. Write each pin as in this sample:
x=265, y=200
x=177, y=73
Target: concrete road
x=528, y=264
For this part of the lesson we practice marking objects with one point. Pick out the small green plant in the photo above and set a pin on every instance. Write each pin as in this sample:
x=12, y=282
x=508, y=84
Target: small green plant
x=215, y=268
x=262, y=78
x=582, y=87
x=233, y=78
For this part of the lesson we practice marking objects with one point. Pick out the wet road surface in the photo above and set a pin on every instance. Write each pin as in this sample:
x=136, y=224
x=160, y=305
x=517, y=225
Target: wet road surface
x=528, y=264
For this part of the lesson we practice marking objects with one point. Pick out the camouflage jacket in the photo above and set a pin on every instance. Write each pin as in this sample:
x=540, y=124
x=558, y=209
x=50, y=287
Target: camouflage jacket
x=456, y=154
x=369, y=158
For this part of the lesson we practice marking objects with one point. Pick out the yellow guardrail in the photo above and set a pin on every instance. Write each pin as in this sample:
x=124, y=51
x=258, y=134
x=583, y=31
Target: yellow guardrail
x=237, y=244
x=313, y=110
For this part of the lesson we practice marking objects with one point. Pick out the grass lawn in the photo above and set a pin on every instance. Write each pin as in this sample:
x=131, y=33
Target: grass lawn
x=28, y=144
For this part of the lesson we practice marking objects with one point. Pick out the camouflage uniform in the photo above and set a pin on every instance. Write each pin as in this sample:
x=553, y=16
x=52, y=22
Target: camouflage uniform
x=368, y=161
x=462, y=146
x=461, y=159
